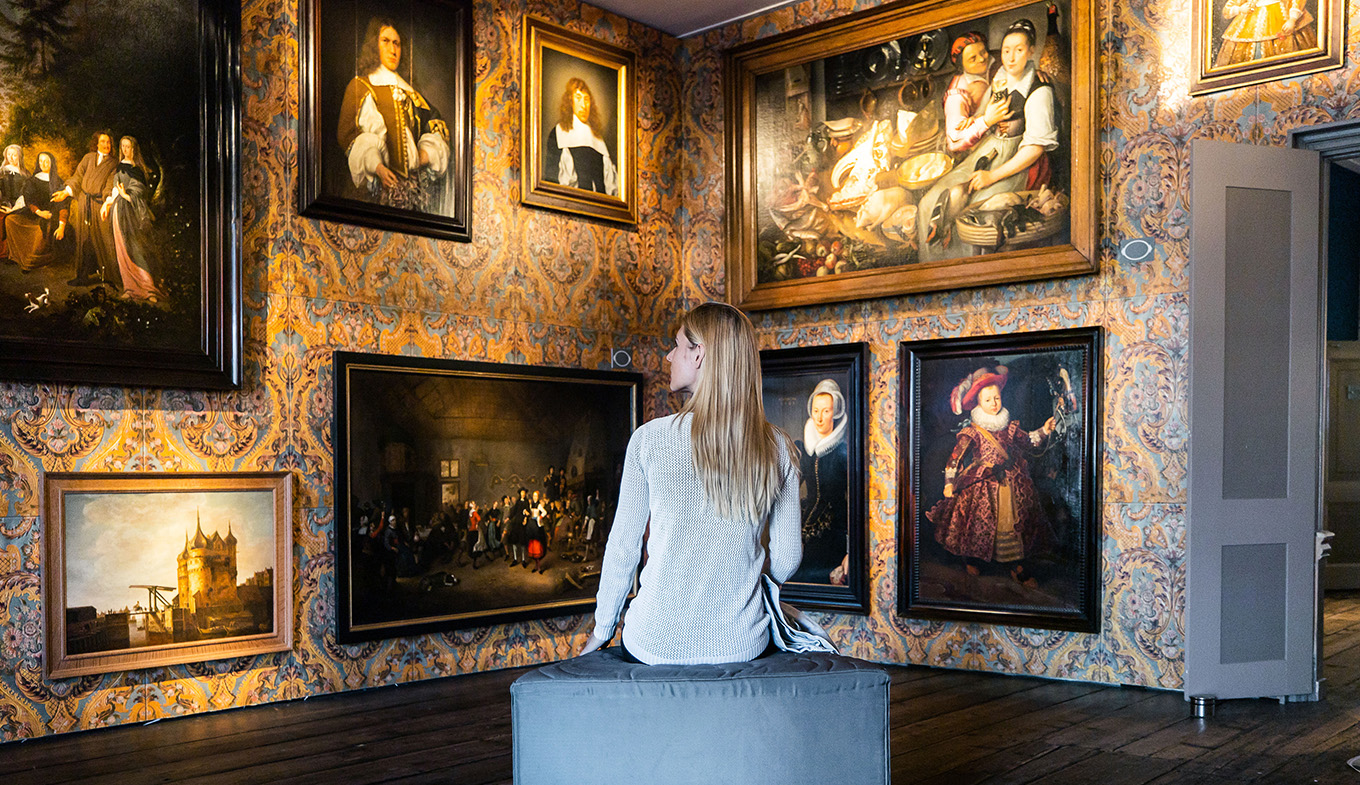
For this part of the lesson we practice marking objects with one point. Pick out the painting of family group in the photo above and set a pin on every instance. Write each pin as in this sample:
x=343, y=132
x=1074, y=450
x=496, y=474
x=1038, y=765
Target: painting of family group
x=100, y=180
x=938, y=145
x=1002, y=469
x=474, y=496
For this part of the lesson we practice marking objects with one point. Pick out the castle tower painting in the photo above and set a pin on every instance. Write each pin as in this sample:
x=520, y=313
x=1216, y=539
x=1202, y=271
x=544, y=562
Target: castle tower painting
x=167, y=568
x=207, y=573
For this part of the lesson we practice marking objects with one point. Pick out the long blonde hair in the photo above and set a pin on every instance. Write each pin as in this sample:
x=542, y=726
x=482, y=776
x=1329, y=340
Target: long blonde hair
x=736, y=451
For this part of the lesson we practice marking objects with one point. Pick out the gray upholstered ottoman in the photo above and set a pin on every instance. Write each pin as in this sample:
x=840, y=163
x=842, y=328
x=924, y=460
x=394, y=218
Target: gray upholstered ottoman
x=785, y=719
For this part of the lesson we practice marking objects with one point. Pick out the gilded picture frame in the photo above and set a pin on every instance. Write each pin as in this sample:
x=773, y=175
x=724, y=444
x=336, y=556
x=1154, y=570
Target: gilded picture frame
x=410, y=559
x=352, y=166
x=817, y=395
x=211, y=555
x=1237, y=43
x=864, y=160
x=590, y=168
x=999, y=441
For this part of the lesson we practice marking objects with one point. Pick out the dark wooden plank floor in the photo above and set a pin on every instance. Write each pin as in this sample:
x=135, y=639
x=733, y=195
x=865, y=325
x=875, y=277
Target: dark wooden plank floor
x=948, y=728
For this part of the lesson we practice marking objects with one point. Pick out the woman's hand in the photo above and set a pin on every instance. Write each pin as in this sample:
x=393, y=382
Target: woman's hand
x=949, y=490
x=592, y=644
x=981, y=180
x=997, y=110
x=61, y=230
x=46, y=215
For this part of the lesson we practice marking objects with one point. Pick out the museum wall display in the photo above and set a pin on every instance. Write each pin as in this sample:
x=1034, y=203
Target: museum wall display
x=1146, y=119
x=532, y=288
x=547, y=288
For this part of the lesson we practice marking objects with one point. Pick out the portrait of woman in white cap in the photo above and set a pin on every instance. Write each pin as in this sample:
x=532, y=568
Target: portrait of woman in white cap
x=825, y=507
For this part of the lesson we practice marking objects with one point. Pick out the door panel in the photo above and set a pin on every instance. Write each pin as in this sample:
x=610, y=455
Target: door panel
x=1254, y=412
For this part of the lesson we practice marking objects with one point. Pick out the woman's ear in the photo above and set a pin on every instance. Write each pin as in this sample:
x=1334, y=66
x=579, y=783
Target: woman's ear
x=699, y=355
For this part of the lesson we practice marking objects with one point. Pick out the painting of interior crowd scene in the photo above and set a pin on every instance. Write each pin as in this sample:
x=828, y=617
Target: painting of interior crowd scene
x=938, y=145
x=475, y=498
x=100, y=177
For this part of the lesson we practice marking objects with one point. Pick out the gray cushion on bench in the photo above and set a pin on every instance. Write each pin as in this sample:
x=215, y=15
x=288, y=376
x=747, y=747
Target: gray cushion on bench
x=785, y=718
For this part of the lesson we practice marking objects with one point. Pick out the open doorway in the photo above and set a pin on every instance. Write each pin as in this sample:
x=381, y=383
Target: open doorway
x=1341, y=413
x=1339, y=146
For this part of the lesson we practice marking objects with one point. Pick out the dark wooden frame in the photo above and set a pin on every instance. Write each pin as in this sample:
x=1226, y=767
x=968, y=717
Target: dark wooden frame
x=316, y=131
x=345, y=365
x=934, y=366
x=534, y=190
x=881, y=26
x=216, y=361
x=850, y=360
x=1208, y=77
x=58, y=663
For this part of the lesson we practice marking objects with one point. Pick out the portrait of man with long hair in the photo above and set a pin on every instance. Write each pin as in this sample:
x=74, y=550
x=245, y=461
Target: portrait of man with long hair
x=580, y=126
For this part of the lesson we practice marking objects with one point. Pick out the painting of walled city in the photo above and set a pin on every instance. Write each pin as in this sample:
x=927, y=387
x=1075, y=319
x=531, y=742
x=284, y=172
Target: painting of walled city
x=144, y=570
x=475, y=492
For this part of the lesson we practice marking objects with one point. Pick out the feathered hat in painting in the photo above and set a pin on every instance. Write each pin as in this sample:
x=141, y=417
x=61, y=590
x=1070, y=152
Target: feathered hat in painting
x=964, y=395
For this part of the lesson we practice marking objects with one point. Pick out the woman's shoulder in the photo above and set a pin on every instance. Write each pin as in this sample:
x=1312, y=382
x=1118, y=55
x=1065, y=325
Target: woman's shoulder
x=659, y=427
x=132, y=171
x=660, y=434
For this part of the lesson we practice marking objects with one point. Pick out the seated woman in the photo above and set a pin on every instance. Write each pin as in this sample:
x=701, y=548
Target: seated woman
x=1022, y=115
x=708, y=484
x=35, y=232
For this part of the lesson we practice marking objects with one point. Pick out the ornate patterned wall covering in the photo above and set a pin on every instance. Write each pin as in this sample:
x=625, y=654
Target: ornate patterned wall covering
x=538, y=287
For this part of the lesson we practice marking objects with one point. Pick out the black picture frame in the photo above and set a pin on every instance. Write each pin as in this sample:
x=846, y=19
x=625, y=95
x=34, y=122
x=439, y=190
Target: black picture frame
x=834, y=574
x=180, y=99
x=949, y=568
x=436, y=61
x=397, y=418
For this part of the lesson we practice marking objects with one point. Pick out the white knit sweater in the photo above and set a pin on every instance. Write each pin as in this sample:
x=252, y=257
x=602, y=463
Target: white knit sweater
x=698, y=599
